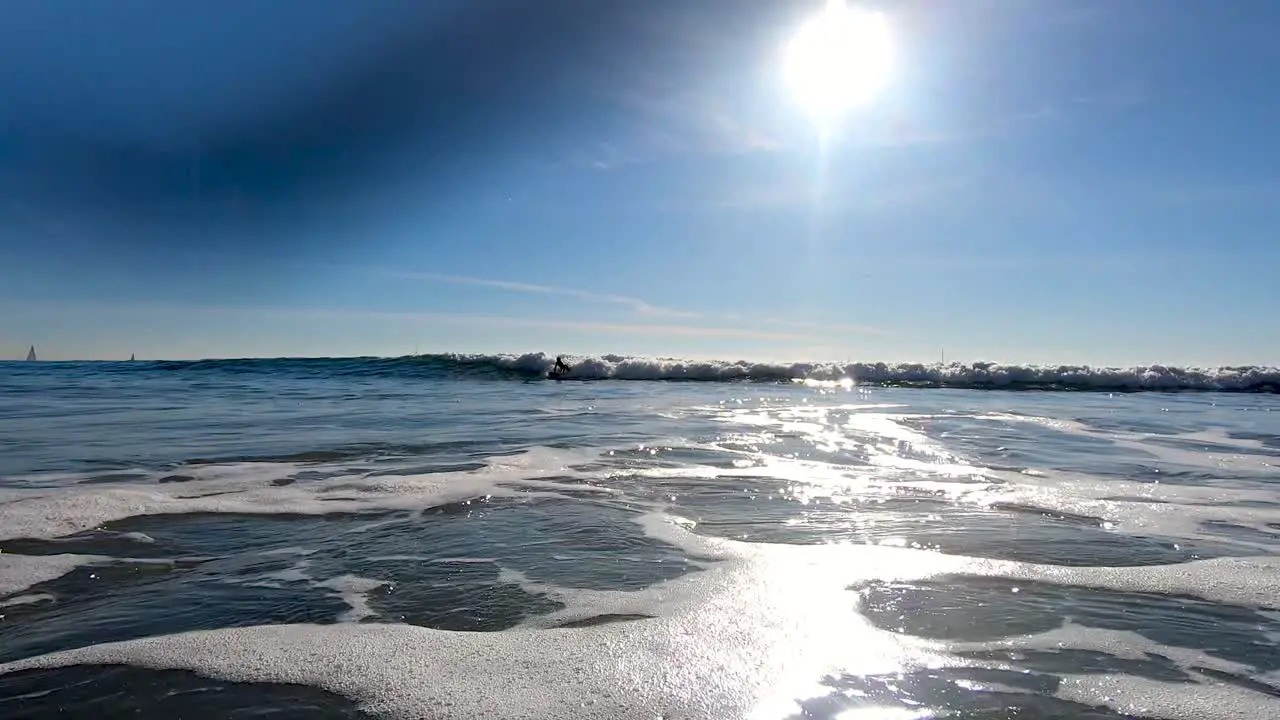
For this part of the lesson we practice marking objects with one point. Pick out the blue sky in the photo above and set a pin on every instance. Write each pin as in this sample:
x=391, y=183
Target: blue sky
x=1074, y=181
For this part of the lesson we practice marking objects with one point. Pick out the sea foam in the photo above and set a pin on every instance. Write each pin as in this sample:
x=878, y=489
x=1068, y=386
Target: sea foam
x=984, y=375
x=974, y=375
x=19, y=572
x=261, y=489
x=747, y=637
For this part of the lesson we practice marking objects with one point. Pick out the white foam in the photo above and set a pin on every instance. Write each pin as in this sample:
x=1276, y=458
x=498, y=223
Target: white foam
x=972, y=375
x=877, y=433
x=291, y=550
x=1247, y=457
x=1171, y=510
x=1117, y=643
x=249, y=488
x=26, y=600
x=1247, y=581
x=1142, y=697
x=1174, y=510
x=354, y=591
x=893, y=458
x=747, y=636
x=752, y=632
x=1270, y=678
x=1219, y=436
x=295, y=573
x=432, y=559
x=583, y=604
x=19, y=572
x=351, y=589
x=1136, y=695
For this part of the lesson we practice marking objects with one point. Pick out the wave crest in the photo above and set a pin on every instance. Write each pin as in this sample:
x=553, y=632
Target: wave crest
x=978, y=375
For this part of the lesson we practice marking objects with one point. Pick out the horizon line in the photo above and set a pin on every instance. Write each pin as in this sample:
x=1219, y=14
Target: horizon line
x=601, y=356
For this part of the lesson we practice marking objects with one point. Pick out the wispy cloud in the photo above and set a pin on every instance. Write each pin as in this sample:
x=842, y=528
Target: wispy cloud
x=697, y=118
x=471, y=319
x=628, y=328
x=141, y=310
x=722, y=324
x=667, y=118
x=636, y=305
x=642, y=307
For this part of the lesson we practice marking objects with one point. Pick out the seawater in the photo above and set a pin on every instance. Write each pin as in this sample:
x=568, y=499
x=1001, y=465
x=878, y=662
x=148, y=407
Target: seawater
x=454, y=537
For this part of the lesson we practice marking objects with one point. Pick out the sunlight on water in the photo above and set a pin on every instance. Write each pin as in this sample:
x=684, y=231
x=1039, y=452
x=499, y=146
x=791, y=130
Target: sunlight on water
x=846, y=383
x=770, y=550
x=819, y=636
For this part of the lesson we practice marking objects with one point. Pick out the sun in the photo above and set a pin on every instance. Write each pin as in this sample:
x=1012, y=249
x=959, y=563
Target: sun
x=838, y=60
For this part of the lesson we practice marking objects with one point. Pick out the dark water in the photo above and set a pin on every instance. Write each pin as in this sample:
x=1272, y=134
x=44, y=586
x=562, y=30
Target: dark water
x=345, y=540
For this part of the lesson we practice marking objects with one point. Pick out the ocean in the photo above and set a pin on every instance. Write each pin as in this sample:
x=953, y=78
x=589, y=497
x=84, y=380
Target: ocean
x=458, y=537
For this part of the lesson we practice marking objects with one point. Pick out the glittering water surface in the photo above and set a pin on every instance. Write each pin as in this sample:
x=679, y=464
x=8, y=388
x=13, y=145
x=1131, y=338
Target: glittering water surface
x=213, y=542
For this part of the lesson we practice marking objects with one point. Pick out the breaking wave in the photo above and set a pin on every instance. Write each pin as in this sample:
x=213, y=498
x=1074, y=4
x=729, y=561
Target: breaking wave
x=532, y=366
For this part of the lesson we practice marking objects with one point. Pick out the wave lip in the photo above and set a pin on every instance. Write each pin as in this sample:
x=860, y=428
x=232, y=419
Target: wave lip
x=977, y=375
x=983, y=375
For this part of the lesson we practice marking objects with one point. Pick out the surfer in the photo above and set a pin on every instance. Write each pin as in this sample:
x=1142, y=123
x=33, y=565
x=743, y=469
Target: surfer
x=561, y=368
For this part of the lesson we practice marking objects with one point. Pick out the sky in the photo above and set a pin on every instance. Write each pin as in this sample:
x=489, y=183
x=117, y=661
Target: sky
x=1056, y=181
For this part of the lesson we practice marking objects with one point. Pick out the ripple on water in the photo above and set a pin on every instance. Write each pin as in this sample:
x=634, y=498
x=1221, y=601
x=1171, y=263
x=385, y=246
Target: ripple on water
x=967, y=608
x=931, y=480
x=965, y=693
x=1017, y=442
x=79, y=692
x=765, y=509
x=443, y=568
x=122, y=600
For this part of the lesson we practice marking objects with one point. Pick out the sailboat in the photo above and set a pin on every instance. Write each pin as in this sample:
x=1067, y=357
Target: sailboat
x=31, y=354
x=132, y=357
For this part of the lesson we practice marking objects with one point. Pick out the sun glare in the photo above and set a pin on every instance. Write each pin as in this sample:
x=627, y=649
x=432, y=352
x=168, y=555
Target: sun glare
x=838, y=60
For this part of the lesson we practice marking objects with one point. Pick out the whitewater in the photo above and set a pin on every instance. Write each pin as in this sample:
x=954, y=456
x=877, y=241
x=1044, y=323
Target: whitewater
x=455, y=536
x=977, y=375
